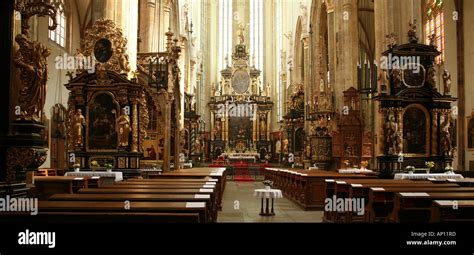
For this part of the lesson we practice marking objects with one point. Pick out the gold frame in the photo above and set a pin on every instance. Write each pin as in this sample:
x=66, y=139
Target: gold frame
x=428, y=130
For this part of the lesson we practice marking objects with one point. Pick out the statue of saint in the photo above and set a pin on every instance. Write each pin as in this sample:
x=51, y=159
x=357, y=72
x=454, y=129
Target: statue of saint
x=412, y=35
x=123, y=124
x=432, y=76
x=391, y=130
x=445, y=135
x=285, y=146
x=447, y=82
x=78, y=121
x=31, y=59
x=308, y=150
x=241, y=33
x=263, y=127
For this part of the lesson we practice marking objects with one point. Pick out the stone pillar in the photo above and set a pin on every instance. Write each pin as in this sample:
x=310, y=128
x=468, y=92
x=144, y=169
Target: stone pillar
x=147, y=25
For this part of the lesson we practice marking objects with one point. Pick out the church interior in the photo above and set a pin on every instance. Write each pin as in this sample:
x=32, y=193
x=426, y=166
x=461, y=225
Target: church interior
x=244, y=111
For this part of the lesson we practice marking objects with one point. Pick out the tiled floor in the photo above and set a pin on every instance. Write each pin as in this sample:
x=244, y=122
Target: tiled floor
x=239, y=205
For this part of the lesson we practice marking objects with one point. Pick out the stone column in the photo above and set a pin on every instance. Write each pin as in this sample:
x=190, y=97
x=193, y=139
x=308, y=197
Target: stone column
x=147, y=25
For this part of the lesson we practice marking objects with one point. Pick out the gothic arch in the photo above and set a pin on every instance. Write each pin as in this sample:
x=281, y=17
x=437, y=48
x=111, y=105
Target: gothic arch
x=298, y=76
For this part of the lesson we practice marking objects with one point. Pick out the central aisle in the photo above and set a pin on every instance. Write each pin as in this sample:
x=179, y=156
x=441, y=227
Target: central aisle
x=247, y=207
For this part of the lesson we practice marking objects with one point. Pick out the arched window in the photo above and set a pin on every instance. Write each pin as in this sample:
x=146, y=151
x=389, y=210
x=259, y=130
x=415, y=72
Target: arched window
x=256, y=35
x=59, y=35
x=434, y=25
x=225, y=32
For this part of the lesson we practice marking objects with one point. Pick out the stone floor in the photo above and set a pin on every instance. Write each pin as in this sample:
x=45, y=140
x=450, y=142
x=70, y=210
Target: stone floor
x=239, y=205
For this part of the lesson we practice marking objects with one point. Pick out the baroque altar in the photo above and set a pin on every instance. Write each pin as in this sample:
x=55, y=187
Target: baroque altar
x=418, y=122
x=240, y=108
x=104, y=106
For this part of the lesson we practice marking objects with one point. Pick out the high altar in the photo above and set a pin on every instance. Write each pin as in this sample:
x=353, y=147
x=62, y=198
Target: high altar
x=240, y=109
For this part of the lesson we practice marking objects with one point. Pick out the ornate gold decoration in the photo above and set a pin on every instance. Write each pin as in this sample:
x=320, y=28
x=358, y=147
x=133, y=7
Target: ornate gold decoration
x=144, y=119
x=31, y=60
x=78, y=123
x=25, y=158
x=134, y=126
x=106, y=29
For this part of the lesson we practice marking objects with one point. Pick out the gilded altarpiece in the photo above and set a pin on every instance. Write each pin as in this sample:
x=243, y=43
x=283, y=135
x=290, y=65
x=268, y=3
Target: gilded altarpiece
x=104, y=122
x=240, y=109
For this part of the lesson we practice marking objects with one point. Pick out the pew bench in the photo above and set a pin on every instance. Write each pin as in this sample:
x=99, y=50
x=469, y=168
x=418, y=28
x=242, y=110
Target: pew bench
x=206, y=198
x=119, y=207
x=416, y=207
x=444, y=211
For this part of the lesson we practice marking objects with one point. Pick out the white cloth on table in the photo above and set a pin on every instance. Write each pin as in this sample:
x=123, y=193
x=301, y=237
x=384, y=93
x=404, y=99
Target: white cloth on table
x=355, y=171
x=268, y=193
x=426, y=176
x=117, y=175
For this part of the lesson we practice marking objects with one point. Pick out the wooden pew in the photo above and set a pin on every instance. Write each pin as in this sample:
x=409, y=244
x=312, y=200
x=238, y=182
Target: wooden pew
x=381, y=199
x=466, y=182
x=199, y=173
x=45, y=186
x=362, y=191
x=99, y=217
x=306, y=188
x=444, y=211
x=143, y=198
x=159, y=186
x=341, y=189
x=416, y=207
x=120, y=207
x=188, y=191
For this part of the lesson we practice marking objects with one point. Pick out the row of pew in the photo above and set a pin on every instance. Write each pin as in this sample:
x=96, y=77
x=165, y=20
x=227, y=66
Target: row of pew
x=402, y=200
x=188, y=195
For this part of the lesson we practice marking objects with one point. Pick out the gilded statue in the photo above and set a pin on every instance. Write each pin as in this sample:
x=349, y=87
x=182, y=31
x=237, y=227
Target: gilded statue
x=123, y=124
x=285, y=146
x=308, y=150
x=447, y=82
x=31, y=59
x=78, y=123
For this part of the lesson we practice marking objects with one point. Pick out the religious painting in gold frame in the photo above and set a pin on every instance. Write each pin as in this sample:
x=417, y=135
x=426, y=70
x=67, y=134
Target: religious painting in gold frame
x=102, y=112
x=150, y=148
x=416, y=131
